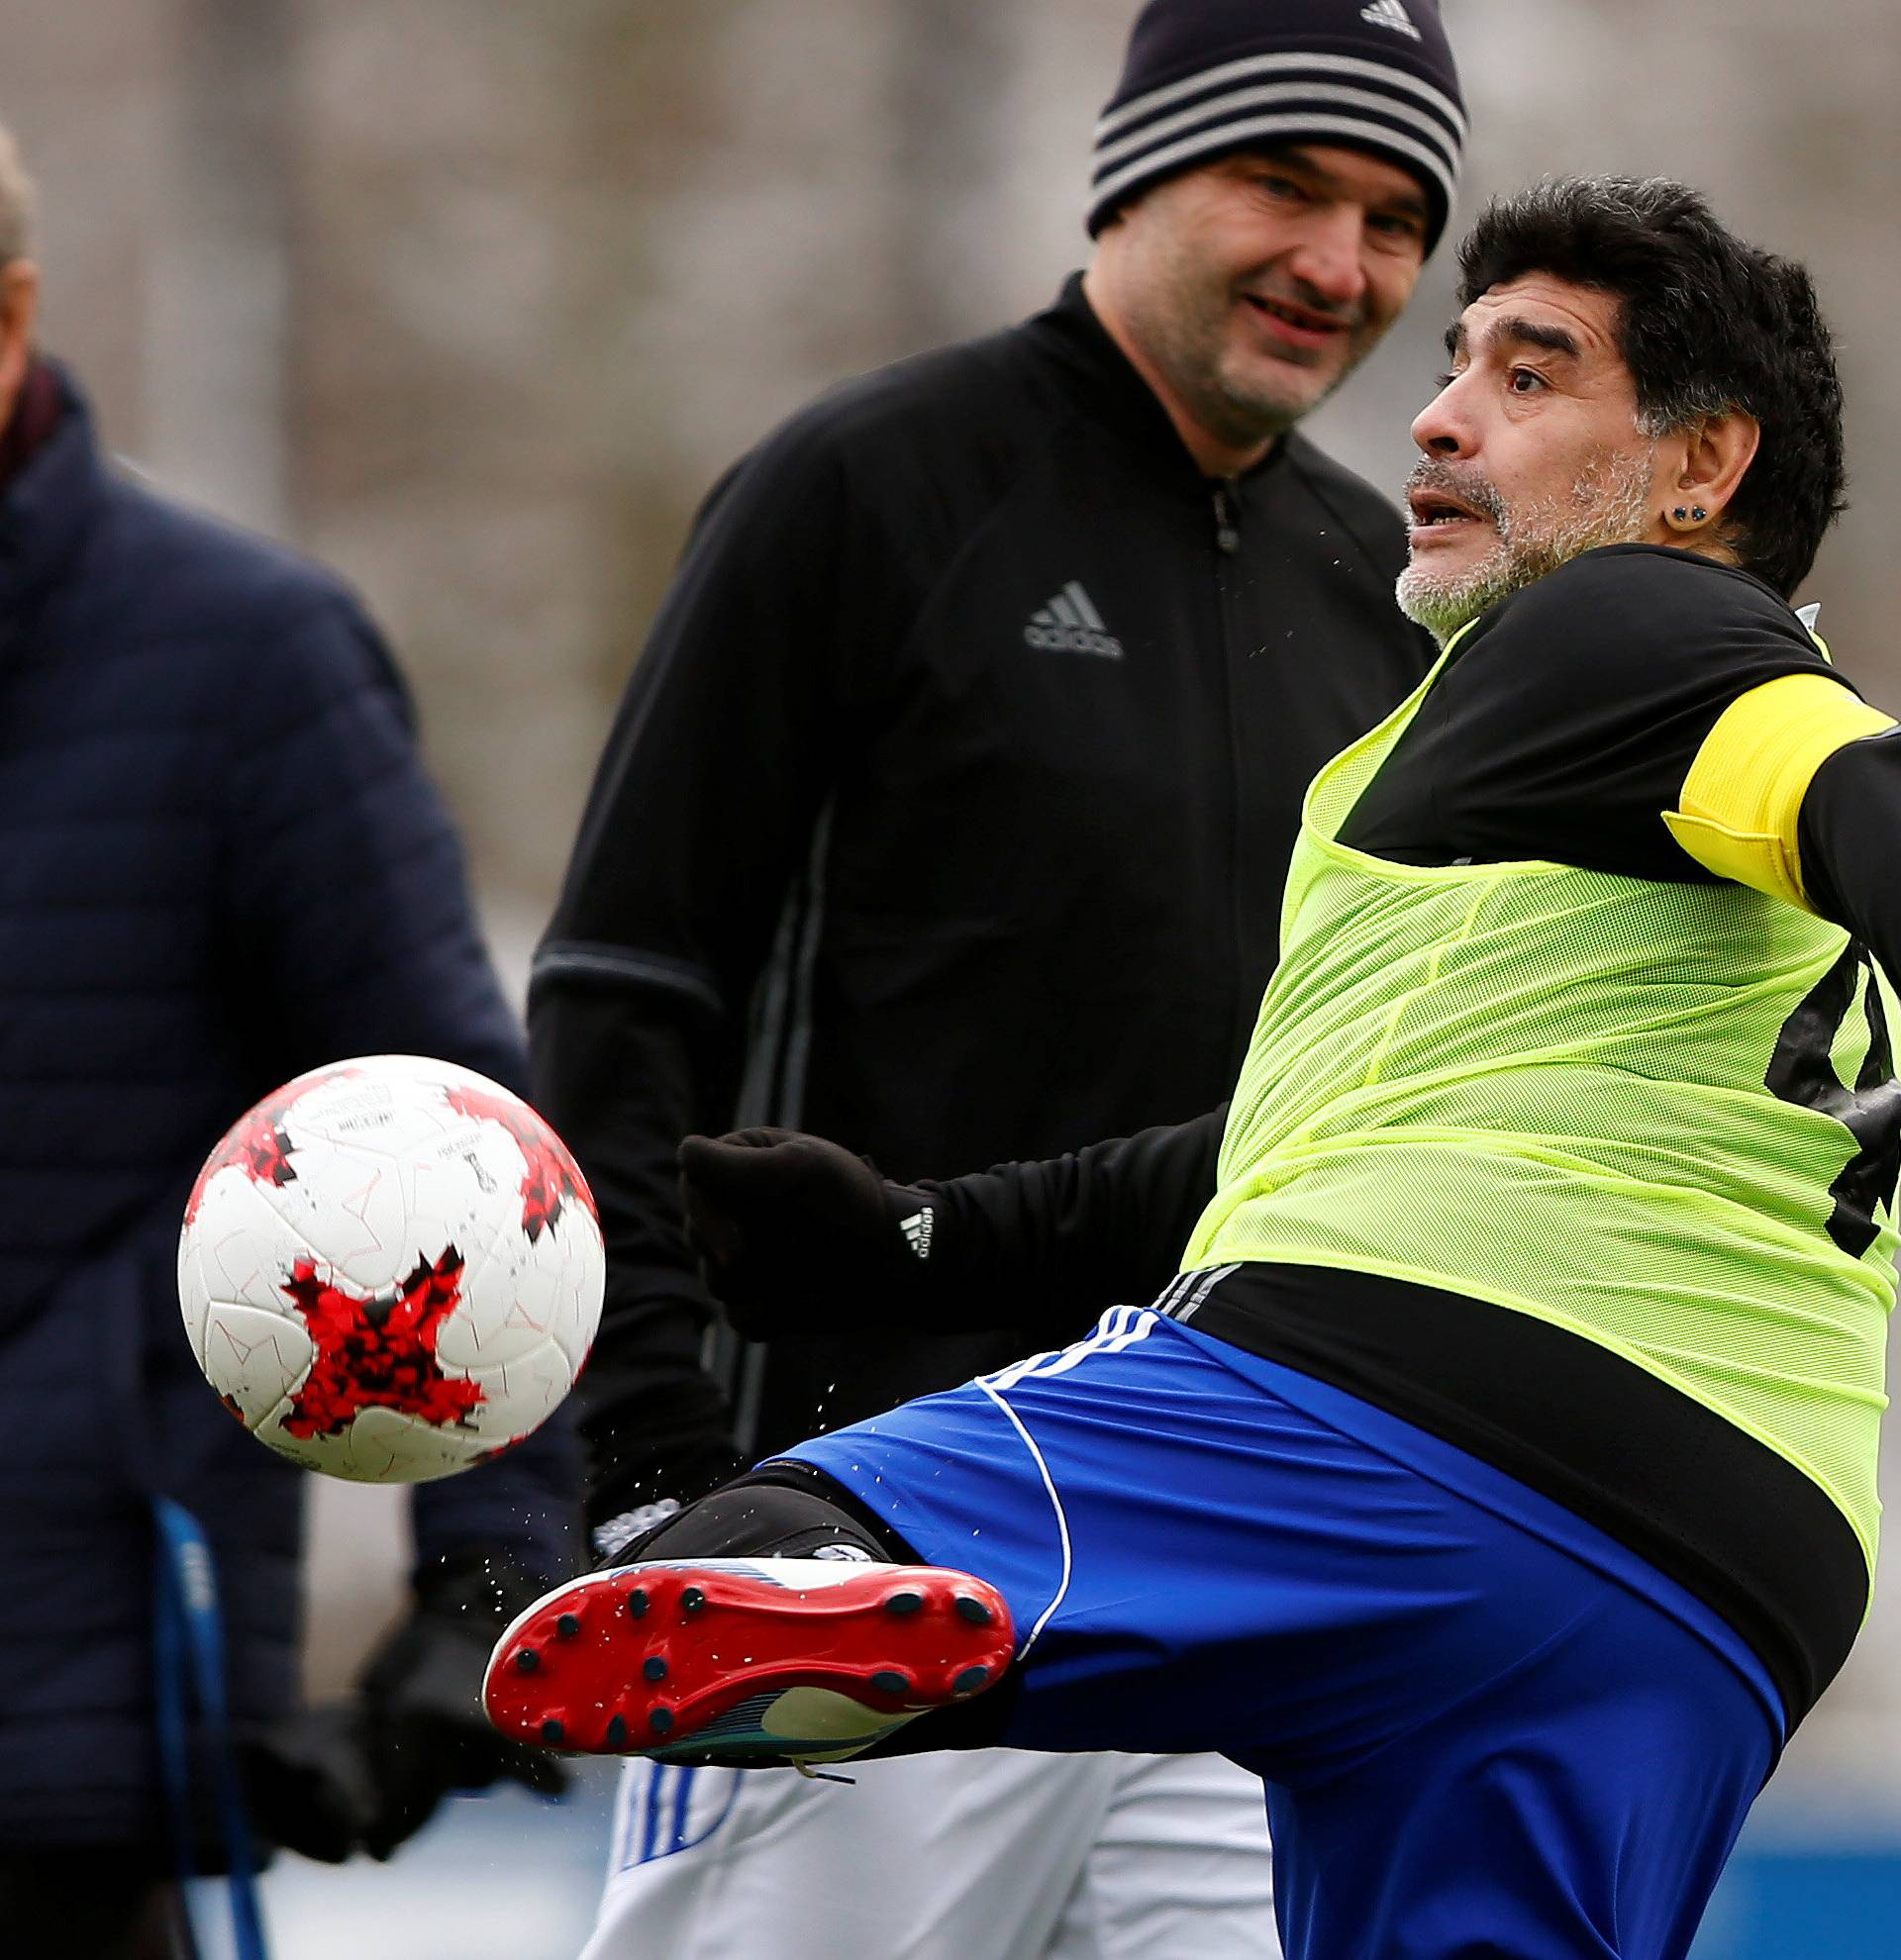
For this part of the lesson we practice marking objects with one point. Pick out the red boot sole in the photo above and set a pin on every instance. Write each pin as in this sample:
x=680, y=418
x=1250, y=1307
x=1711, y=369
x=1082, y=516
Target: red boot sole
x=647, y=1658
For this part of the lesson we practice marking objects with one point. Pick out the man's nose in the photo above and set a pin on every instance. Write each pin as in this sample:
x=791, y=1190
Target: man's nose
x=1329, y=258
x=1440, y=427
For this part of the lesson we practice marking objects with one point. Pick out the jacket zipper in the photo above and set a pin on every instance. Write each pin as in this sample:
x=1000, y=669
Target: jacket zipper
x=1227, y=501
x=1226, y=536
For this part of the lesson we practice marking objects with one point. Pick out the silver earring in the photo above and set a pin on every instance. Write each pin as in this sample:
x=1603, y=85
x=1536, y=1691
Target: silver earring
x=1698, y=514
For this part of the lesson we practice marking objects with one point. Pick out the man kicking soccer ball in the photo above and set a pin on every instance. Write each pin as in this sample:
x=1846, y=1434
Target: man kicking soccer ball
x=1496, y=1477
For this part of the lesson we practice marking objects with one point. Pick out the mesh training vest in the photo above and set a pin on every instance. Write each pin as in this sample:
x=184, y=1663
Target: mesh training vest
x=1658, y=1116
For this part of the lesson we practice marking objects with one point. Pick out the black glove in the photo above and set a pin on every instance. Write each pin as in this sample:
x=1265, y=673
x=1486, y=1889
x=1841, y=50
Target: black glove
x=424, y=1731
x=308, y=1784
x=796, y=1236
x=365, y=1775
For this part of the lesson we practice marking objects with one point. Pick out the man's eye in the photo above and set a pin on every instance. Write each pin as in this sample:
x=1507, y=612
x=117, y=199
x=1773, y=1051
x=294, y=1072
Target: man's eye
x=1525, y=380
x=1444, y=382
x=1282, y=187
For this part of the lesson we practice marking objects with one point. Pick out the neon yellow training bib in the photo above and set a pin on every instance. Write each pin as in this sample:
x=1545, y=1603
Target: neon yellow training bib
x=1619, y=1105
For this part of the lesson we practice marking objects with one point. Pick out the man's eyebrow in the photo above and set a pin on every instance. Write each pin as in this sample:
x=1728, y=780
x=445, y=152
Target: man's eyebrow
x=1409, y=204
x=1534, y=334
x=1528, y=333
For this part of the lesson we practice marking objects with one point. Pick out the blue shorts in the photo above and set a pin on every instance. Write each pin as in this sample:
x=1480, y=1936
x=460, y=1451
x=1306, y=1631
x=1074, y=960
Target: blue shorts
x=1486, y=1728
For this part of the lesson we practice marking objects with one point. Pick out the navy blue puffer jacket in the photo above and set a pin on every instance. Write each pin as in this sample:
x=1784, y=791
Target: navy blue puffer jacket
x=220, y=864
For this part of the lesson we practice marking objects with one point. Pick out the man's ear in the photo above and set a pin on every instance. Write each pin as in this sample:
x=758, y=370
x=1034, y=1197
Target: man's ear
x=19, y=311
x=1719, y=450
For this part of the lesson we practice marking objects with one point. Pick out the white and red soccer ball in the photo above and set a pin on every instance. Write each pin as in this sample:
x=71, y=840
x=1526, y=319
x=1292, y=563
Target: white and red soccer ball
x=390, y=1269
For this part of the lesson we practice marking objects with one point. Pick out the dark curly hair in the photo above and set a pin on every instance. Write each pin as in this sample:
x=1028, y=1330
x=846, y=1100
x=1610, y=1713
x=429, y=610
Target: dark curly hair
x=1705, y=323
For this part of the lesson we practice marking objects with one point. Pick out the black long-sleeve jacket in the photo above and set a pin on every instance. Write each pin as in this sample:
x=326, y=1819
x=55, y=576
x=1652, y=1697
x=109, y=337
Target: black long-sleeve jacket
x=946, y=813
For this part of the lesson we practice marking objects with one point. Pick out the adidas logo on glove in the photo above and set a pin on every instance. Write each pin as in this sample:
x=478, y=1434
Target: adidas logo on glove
x=917, y=1232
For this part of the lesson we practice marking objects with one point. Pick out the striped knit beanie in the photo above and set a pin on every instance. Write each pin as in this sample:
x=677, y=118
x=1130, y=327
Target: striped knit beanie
x=1206, y=77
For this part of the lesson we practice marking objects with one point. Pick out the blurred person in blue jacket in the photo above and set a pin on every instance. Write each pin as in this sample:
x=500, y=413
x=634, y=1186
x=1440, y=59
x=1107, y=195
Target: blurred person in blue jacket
x=221, y=863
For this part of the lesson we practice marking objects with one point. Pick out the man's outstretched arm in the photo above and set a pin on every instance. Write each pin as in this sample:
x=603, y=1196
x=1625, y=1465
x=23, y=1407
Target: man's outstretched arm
x=1849, y=836
x=796, y=1236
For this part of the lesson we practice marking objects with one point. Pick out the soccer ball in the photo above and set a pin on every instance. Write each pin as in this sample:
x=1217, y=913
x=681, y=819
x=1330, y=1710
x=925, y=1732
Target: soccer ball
x=390, y=1269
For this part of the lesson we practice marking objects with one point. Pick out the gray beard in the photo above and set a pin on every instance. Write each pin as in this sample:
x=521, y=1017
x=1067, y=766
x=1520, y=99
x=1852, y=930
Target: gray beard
x=1608, y=505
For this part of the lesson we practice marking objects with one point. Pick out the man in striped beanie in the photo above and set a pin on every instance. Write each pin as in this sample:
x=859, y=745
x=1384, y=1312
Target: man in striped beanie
x=985, y=700
x=1269, y=176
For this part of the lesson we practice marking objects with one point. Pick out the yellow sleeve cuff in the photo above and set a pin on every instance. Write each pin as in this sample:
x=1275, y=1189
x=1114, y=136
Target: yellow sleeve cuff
x=1738, y=810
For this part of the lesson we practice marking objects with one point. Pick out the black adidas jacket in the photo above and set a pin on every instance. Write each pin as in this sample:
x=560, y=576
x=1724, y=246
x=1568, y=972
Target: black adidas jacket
x=947, y=815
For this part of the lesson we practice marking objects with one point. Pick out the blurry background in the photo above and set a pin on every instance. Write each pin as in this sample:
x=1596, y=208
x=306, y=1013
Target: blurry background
x=473, y=299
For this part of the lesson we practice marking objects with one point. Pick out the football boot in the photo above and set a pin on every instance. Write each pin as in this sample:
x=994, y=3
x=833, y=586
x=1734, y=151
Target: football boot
x=744, y=1661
